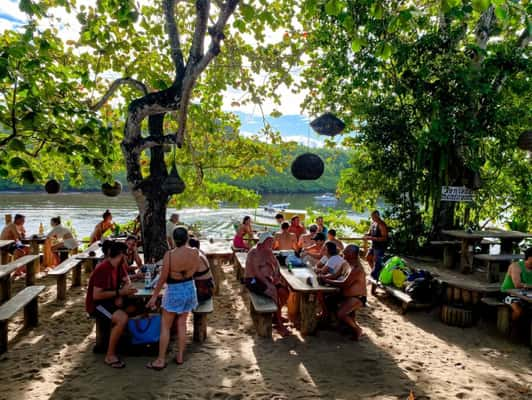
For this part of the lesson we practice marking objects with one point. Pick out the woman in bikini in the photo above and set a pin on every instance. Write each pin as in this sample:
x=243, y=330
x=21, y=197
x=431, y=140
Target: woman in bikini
x=203, y=278
x=179, y=266
x=102, y=226
x=244, y=229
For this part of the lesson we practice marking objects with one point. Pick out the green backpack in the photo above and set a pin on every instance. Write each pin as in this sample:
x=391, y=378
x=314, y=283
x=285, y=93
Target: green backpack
x=386, y=276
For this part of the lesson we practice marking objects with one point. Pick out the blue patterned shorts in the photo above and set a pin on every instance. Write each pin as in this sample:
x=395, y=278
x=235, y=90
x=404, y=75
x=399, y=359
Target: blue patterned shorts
x=180, y=297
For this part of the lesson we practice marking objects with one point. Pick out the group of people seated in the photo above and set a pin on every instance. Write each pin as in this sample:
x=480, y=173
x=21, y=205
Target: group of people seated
x=185, y=272
x=262, y=276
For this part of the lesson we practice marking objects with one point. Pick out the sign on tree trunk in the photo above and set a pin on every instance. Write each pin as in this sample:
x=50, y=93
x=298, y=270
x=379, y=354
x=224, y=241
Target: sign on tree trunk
x=456, y=193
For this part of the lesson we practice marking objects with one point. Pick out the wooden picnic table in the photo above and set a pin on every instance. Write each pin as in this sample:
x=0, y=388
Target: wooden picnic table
x=469, y=238
x=91, y=256
x=303, y=297
x=217, y=252
x=4, y=245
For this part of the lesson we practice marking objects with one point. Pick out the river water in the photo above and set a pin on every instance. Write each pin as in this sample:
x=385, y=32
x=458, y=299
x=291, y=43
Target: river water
x=84, y=210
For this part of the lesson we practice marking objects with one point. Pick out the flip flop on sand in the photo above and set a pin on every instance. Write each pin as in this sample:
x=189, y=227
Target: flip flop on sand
x=150, y=365
x=118, y=364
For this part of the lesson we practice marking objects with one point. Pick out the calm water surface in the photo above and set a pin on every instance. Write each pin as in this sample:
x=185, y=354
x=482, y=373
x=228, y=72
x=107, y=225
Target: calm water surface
x=84, y=210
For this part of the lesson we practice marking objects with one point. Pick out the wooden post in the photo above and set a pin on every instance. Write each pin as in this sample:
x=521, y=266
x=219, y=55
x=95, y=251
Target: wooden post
x=9, y=219
x=492, y=271
x=448, y=256
x=475, y=296
x=34, y=245
x=61, y=287
x=200, y=327
x=4, y=256
x=307, y=307
x=88, y=266
x=466, y=296
x=76, y=276
x=31, y=313
x=449, y=294
x=503, y=319
x=261, y=321
x=6, y=288
x=293, y=307
x=465, y=264
x=3, y=336
x=457, y=295
x=31, y=269
x=216, y=270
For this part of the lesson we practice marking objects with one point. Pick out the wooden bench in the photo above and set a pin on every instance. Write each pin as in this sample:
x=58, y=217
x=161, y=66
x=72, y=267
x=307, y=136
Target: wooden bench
x=261, y=309
x=29, y=261
x=448, y=250
x=503, y=313
x=61, y=272
x=200, y=320
x=492, y=263
x=406, y=300
x=27, y=298
x=240, y=265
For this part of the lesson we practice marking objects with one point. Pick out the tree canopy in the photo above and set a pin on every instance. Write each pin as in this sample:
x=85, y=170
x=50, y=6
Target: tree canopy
x=438, y=93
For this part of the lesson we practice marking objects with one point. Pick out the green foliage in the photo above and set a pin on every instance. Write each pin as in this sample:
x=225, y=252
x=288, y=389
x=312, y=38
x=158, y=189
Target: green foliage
x=432, y=105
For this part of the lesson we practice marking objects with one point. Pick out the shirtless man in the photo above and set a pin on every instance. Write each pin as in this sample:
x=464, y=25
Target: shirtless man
x=262, y=276
x=314, y=252
x=285, y=240
x=331, y=237
x=305, y=240
x=15, y=231
x=353, y=290
x=296, y=227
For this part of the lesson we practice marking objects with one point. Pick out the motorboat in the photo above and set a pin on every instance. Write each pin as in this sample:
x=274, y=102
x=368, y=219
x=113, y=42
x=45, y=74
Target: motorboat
x=326, y=198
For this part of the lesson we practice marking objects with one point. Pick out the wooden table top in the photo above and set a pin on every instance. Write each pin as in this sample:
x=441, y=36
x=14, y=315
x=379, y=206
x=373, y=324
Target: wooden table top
x=297, y=280
x=523, y=294
x=34, y=238
x=216, y=248
x=487, y=233
x=5, y=243
x=142, y=292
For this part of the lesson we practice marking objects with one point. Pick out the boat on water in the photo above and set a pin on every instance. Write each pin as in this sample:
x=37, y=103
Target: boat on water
x=326, y=198
x=275, y=208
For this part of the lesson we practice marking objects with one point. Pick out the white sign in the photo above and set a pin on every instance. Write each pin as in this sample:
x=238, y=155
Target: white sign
x=456, y=193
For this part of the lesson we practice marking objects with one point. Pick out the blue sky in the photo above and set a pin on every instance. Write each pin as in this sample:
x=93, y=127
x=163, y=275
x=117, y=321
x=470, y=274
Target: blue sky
x=292, y=125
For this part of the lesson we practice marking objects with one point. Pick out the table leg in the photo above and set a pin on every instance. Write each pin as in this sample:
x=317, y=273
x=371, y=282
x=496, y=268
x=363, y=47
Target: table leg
x=307, y=313
x=448, y=257
x=292, y=305
x=4, y=256
x=466, y=257
x=507, y=246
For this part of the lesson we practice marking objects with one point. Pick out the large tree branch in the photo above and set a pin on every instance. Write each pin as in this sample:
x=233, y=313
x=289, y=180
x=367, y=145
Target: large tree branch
x=173, y=38
x=153, y=141
x=482, y=33
x=198, y=40
x=115, y=85
x=196, y=67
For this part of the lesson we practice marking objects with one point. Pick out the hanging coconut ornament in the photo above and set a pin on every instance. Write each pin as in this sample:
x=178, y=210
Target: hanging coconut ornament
x=525, y=141
x=307, y=166
x=52, y=186
x=328, y=124
x=112, y=190
x=173, y=184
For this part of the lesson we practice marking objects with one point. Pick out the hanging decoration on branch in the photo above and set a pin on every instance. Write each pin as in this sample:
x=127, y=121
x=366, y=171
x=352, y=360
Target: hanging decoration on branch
x=525, y=141
x=328, y=124
x=52, y=186
x=173, y=184
x=307, y=166
x=112, y=190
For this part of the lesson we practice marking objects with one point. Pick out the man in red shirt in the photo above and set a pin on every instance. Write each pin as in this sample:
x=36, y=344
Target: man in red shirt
x=108, y=289
x=296, y=227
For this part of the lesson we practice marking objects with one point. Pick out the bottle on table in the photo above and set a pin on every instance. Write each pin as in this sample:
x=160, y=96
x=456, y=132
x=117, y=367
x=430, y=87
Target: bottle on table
x=147, y=279
x=41, y=229
x=290, y=267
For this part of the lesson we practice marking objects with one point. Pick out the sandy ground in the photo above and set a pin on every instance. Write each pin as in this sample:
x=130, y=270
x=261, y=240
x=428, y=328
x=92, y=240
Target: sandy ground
x=400, y=353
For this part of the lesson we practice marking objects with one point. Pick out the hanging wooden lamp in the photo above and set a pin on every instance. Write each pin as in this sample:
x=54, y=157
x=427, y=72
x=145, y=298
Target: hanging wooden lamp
x=307, y=166
x=173, y=184
x=112, y=190
x=328, y=124
x=52, y=186
x=525, y=141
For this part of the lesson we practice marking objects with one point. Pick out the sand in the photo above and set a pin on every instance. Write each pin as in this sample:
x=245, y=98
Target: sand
x=399, y=354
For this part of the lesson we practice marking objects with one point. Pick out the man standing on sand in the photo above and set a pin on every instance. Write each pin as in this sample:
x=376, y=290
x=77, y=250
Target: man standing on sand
x=353, y=288
x=107, y=293
x=262, y=276
x=285, y=240
x=378, y=234
x=172, y=223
